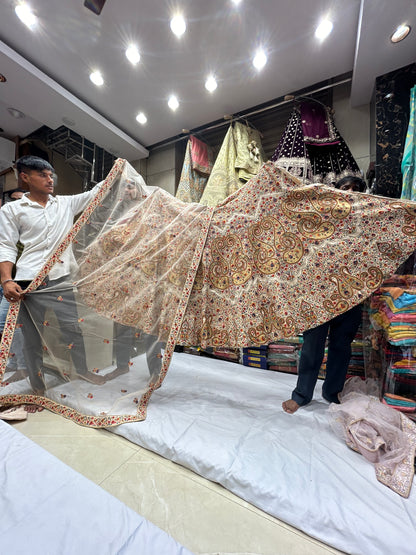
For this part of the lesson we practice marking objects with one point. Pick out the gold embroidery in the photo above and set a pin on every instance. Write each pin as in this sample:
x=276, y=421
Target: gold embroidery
x=409, y=227
x=210, y=336
x=307, y=313
x=310, y=223
x=270, y=241
x=391, y=251
x=228, y=258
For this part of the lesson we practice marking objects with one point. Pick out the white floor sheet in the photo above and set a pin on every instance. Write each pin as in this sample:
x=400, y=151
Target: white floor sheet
x=47, y=508
x=224, y=421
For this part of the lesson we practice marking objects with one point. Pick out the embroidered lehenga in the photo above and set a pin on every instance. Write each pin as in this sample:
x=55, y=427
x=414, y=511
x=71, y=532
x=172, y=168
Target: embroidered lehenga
x=273, y=259
x=311, y=147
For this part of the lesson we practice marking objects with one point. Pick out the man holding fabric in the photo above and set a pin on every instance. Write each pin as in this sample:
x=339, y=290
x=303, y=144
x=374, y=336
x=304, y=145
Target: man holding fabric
x=40, y=221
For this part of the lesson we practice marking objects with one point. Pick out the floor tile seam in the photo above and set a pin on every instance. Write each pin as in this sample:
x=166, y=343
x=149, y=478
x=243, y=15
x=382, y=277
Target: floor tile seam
x=116, y=469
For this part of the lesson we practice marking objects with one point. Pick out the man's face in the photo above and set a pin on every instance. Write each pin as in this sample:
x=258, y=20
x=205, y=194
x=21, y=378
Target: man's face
x=130, y=191
x=39, y=181
x=350, y=187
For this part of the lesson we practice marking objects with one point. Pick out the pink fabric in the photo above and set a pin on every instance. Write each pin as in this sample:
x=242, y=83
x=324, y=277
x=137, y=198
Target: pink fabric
x=201, y=159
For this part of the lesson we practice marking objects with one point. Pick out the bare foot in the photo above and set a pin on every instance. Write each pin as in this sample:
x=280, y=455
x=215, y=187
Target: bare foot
x=92, y=378
x=33, y=408
x=119, y=371
x=290, y=406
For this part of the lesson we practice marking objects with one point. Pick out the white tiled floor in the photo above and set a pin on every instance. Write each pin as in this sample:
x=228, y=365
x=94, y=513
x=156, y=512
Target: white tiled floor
x=201, y=515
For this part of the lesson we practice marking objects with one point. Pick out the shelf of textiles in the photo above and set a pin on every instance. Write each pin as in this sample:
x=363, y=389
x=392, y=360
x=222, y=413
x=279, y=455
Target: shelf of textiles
x=283, y=355
x=223, y=353
x=393, y=320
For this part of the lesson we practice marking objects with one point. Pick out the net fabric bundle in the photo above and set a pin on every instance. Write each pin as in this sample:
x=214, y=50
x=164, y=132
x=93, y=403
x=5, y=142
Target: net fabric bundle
x=382, y=435
x=150, y=271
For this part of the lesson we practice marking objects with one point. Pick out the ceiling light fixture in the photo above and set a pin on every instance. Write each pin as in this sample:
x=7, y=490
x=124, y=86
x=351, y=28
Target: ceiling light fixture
x=211, y=83
x=260, y=59
x=141, y=118
x=324, y=29
x=178, y=25
x=2, y=78
x=400, y=33
x=173, y=102
x=15, y=113
x=26, y=16
x=236, y=2
x=133, y=54
x=97, y=78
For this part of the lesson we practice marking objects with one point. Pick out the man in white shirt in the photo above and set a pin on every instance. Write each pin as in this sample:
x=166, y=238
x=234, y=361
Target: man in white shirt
x=40, y=221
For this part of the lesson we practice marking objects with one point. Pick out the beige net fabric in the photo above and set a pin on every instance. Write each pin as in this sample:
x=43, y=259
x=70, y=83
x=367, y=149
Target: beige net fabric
x=96, y=339
x=150, y=271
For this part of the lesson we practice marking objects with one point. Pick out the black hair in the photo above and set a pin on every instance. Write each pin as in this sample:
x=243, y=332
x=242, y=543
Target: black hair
x=28, y=163
x=353, y=180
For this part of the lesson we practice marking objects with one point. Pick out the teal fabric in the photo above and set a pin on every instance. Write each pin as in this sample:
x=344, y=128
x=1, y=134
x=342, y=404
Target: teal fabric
x=409, y=154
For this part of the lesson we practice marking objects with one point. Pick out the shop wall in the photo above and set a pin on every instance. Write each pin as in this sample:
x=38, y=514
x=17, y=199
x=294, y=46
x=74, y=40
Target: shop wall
x=162, y=167
x=159, y=168
x=354, y=126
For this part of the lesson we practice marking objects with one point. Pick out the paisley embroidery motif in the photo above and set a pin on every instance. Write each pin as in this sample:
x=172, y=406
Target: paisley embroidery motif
x=230, y=265
x=311, y=223
x=391, y=251
x=270, y=242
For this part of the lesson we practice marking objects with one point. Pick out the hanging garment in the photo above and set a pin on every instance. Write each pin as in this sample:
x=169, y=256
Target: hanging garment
x=195, y=171
x=409, y=154
x=311, y=147
x=275, y=258
x=239, y=159
x=291, y=153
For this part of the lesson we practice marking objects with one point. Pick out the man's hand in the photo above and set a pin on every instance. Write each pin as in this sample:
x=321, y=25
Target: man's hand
x=12, y=291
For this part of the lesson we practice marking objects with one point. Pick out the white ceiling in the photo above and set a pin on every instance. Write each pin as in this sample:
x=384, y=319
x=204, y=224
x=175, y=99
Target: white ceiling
x=48, y=69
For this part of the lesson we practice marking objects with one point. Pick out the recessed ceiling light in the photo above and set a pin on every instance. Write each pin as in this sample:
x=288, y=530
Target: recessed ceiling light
x=400, y=33
x=97, y=78
x=141, y=118
x=173, y=103
x=236, y=2
x=16, y=113
x=260, y=59
x=26, y=16
x=178, y=25
x=211, y=83
x=324, y=29
x=133, y=54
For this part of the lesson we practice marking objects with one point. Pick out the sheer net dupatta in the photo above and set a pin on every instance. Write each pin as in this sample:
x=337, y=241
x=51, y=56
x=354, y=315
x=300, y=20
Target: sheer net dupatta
x=98, y=337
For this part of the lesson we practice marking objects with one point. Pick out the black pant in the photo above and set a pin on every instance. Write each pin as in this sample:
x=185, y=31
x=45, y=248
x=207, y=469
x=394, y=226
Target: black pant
x=59, y=297
x=341, y=331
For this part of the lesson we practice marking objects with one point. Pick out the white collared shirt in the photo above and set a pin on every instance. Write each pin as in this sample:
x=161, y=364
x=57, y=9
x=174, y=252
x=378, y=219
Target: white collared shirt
x=40, y=230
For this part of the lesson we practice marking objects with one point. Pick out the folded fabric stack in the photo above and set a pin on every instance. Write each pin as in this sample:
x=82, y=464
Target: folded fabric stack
x=356, y=366
x=393, y=314
x=403, y=404
x=225, y=354
x=396, y=315
x=283, y=356
x=255, y=356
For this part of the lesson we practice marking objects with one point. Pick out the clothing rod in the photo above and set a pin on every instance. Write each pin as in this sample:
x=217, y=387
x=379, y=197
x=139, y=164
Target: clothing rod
x=245, y=115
